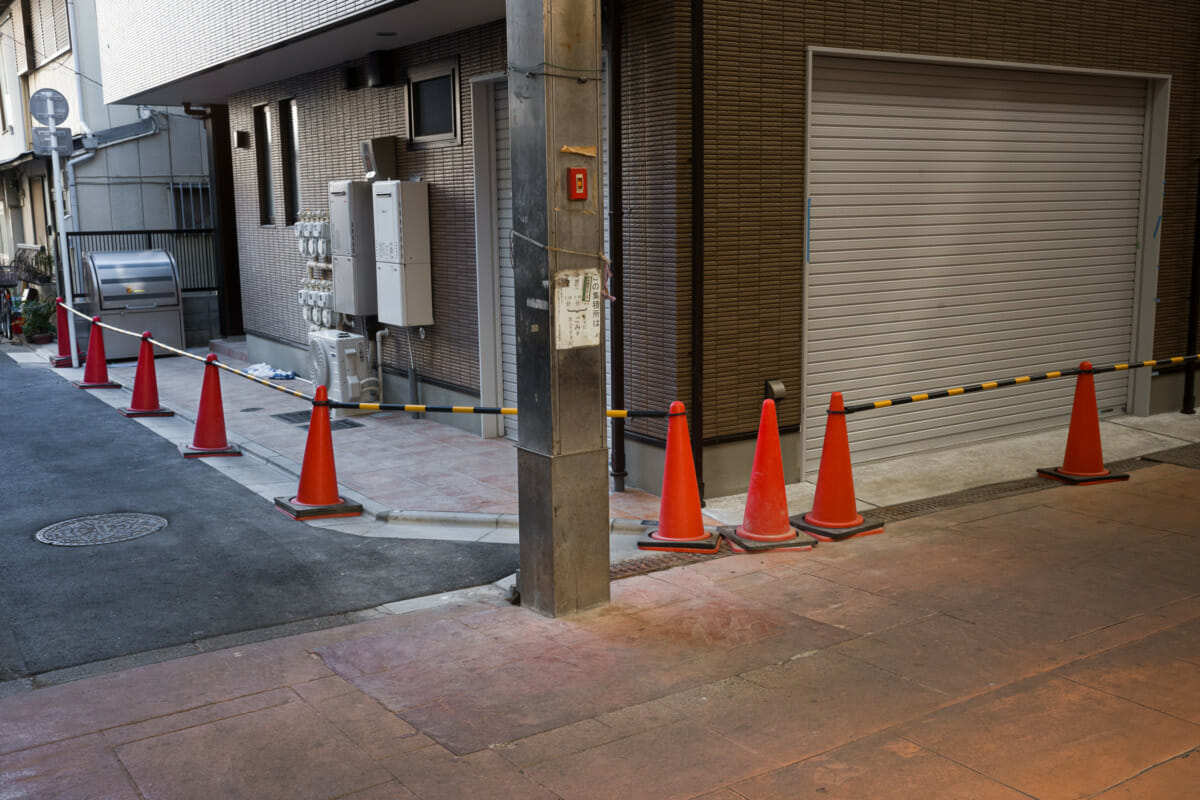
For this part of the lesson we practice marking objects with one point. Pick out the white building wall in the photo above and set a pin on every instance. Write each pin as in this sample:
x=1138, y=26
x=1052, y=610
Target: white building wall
x=177, y=39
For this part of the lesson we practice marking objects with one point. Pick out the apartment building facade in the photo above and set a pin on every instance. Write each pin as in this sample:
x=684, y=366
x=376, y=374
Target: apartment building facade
x=867, y=197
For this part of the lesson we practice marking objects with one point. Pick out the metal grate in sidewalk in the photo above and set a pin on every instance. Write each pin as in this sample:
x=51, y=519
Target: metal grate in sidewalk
x=1186, y=456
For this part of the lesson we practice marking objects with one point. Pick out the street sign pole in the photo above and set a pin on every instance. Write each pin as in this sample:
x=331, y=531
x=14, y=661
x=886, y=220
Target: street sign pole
x=50, y=108
x=65, y=260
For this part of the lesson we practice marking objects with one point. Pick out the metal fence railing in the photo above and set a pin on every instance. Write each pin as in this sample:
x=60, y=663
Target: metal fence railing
x=194, y=252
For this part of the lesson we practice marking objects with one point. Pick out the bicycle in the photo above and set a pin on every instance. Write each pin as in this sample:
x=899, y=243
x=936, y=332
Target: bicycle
x=6, y=313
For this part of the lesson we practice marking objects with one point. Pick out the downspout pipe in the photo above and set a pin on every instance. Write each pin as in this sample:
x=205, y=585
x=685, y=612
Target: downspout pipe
x=92, y=143
x=1189, y=375
x=72, y=196
x=697, y=338
x=616, y=244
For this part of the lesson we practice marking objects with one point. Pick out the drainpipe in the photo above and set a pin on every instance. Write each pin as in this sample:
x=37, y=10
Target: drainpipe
x=91, y=144
x=697, y=428
x=379, y=334
x=1189, y=375
x=616, y=243
x=72, y=198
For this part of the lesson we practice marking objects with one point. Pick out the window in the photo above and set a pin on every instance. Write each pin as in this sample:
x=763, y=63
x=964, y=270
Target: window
x=289, y=151
x=262, y=156
x=433, y=105
x=192, y=206
x=49, y=36
x=7, y=67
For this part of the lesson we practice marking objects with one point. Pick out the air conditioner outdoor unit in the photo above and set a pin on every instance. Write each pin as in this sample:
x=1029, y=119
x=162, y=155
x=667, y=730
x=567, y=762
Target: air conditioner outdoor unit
x=341, y=362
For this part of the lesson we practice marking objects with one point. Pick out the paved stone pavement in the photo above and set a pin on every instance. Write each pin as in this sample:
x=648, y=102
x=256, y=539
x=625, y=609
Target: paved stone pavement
x=387, y=458
x=1044, y=645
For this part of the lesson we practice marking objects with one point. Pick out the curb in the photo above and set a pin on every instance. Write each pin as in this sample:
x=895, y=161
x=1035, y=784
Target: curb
x=485, y=520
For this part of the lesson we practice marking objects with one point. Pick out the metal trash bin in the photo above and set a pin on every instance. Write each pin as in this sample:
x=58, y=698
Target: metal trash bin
x=137, y=290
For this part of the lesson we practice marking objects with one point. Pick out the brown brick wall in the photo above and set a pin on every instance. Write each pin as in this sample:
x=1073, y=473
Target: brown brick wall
x=754, y=89
x=656, y=177
x=333, y=121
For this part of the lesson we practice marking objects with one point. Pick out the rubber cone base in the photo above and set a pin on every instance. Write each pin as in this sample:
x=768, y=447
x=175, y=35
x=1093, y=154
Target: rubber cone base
x=187, y=451
x=1056, y=473
x=823, y=534
x=141, y=412
x=104, y=385
x=64, y=361
x=709, y=544
x=345, y=508
x=739, y=544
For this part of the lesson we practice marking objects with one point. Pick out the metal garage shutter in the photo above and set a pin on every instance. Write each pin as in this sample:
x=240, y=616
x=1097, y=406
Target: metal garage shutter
x=966, y=224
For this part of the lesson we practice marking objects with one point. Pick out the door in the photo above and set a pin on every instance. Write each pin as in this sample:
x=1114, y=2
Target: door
x=966, y=224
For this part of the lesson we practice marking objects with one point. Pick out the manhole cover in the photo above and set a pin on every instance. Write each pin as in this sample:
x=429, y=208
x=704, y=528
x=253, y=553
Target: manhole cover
x=100, y=529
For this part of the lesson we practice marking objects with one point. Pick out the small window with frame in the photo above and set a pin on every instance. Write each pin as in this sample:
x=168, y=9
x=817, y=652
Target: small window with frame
x=433, y=108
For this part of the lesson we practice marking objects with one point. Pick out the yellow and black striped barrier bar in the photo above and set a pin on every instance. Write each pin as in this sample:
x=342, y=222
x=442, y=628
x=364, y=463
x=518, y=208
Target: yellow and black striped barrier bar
x=1162, y=362
x=979, y=387
x=193, y=356
x=508, y=412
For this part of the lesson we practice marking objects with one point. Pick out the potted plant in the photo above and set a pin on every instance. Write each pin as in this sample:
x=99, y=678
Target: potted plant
x=38, y=318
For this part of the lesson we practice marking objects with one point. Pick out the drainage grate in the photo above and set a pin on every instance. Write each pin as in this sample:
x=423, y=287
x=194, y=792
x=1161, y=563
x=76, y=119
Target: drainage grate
x=657, y=563
x=293, y=417
x=100, y=529
x=928, y=505
x=339, y=425
x=1186, y=456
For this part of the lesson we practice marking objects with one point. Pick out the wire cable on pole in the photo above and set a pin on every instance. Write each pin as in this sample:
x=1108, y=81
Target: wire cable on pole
x=194, y=357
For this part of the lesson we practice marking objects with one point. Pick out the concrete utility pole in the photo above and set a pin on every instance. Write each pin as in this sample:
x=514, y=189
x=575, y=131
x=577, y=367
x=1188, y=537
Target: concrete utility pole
x=554, y=99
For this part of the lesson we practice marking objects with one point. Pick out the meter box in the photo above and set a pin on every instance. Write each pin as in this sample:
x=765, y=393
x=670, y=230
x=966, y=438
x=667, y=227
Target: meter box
x=402, y=257
x=352, y=247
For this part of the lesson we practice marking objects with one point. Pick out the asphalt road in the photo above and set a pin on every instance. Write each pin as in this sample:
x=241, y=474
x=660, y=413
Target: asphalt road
x=227, y=562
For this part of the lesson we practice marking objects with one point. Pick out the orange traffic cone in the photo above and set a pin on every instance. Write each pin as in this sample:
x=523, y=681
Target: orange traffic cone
x=63, y=359
x=834, y=515
x=317, y=496
x=95, y=370
x=680, y=523
x=145, y=386
x=1083, y=461
x=765, y=524
x=209, y=438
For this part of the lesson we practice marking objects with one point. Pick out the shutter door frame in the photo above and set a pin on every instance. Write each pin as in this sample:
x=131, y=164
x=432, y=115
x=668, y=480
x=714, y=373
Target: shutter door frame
x=1140, y=310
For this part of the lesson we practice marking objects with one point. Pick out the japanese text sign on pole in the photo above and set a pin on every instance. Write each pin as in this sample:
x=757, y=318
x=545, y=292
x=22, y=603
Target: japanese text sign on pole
x=49, y=107
x=46, y=140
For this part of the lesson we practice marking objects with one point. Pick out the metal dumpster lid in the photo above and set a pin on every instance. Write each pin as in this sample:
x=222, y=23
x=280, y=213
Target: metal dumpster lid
x=134, y=278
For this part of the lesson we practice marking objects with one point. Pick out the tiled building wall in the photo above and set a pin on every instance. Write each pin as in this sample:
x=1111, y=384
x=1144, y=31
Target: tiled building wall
x=184, y=38
x=656, y=179
x=333, y=121
x=754, y=116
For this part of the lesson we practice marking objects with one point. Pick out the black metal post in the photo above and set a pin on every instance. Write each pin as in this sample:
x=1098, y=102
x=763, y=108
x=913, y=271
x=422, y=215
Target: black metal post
x=697, y=338
x=1189, y=375
x=616, y=237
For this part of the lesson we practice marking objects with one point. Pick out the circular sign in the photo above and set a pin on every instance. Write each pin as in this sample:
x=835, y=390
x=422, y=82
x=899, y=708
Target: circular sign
x=49, y=107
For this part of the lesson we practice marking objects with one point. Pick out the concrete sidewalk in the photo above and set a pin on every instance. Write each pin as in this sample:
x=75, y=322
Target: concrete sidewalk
x=383, y=460
x=1042, y=645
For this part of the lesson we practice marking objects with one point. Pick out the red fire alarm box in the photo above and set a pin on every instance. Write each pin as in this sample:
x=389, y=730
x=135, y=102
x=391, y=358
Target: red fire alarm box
x=576, y=183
